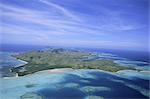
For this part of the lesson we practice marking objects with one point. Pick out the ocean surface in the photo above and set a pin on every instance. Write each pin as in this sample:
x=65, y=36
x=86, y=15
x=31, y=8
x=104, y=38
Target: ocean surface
x=6, y=62
x=75, y=84
x=138, y=59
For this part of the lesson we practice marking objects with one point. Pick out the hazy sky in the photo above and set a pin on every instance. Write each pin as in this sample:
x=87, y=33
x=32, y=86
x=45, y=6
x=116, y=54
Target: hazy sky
x=84, y=23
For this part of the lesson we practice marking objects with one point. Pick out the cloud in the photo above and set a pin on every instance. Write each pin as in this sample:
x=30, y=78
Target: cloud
x=57, y=24
x=62, y=9
x=22, y=16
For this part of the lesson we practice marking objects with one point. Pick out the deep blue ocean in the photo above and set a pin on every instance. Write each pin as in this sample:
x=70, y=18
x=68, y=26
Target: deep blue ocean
x=132, y=55
x=20, y=48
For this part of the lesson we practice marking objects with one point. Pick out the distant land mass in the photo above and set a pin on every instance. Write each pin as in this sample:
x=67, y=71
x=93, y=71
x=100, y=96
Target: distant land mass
x=53, y=58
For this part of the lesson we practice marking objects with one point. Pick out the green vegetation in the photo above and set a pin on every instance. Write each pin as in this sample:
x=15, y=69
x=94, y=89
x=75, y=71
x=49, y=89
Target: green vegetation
x=61, y=58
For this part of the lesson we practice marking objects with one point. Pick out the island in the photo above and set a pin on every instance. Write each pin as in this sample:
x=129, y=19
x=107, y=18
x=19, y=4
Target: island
x=53, y=58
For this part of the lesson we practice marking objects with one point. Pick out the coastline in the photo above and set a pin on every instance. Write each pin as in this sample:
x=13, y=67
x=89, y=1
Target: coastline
x=23, y=63
x=63, y=70
x=50, y=71
x=66, y=70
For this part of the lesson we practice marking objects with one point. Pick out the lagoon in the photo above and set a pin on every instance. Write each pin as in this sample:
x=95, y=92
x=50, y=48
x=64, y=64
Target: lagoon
x=75, y=84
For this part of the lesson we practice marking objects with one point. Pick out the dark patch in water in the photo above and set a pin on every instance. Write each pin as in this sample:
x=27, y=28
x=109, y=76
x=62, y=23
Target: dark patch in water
x=117, y=89
x=30, y=85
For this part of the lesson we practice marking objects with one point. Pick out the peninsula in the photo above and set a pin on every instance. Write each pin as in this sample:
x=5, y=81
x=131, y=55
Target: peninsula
x=53, y=58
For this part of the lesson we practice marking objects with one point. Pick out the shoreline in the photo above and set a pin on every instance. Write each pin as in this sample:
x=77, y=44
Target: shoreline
x=22, y=61
x=65, y=70
x=50, y=71
x=21, y=64
x=62, y=70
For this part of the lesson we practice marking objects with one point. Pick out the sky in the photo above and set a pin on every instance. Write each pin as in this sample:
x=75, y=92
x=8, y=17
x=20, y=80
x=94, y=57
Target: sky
x=118, y=24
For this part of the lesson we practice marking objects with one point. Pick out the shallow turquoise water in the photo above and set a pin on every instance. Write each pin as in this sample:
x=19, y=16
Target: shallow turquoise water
x=77, y=84
x=6, y=62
